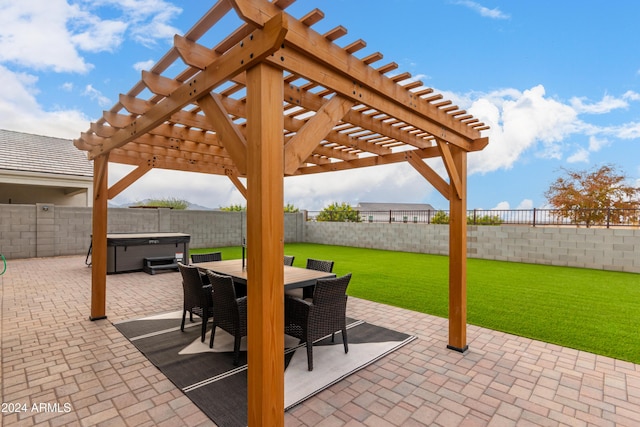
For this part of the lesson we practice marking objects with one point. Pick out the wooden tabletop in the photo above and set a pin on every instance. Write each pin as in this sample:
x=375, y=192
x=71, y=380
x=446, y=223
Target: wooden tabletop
x=294, y=277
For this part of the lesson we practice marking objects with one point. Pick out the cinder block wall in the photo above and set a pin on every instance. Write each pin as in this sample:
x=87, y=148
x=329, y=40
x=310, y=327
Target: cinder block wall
x=73, y=230
x=600, y=248
x=125, y=220
x=28, y=231
x=40, y=230
x=408, y=237
x=616, y=249
x=18, y=231
x=211, y=229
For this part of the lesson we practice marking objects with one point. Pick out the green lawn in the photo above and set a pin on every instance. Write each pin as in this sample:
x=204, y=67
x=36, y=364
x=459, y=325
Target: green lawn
x=592, y=310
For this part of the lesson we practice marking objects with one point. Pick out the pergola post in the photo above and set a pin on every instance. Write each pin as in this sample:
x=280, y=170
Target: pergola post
x=99, y=238
x=458, y=255
x=265, y=246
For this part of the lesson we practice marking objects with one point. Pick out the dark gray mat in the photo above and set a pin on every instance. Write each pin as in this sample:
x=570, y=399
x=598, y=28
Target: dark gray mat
x=209, y=378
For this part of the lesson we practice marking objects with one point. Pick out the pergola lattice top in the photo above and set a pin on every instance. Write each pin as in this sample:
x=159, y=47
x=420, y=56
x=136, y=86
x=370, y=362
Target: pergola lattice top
x=340, y=111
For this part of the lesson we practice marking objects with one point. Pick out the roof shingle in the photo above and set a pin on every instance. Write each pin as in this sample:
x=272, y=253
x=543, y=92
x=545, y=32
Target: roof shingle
x=35, y=153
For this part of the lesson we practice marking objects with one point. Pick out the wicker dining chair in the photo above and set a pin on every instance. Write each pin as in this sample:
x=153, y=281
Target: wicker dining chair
x=197, y=297
x=325, y=314
x=288, y=260
x=230, y=311
x=212, y=256
x=208, y=257
x=319, y=265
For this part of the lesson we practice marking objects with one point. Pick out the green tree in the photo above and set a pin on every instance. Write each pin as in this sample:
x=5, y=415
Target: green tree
x=170, y=202
x=233, y=208
x=588, y=196
x=474, y=219
x=339, y=212
x=441, y=217
x=289, y=208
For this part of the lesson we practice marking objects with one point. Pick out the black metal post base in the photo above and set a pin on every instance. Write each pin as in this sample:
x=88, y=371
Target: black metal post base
x=97, y=318
x=458, y=349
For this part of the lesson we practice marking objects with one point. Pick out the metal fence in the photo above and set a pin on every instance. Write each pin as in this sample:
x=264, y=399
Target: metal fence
x=534, y=217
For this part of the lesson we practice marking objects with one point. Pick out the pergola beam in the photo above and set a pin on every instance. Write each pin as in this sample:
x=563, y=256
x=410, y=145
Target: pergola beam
x=300, y=147
x=312, y=101
x=127, y=180
x=429, y=174
x=409, y=113
x=228, y=133
x=449, y=164
x=369, y=161
x=233, y=176
x=251, y=51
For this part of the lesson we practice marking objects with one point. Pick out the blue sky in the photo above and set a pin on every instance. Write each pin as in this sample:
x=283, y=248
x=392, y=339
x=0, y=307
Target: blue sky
x=558, y=81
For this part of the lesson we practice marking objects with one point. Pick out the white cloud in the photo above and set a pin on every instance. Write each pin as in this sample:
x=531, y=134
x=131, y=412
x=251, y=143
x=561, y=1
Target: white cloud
x=525, y=204
x=51, y=47
x=149, y=19
x=65, y=30
x=629, y=130
x=144, y=65
x=596, y=144
x=530, y=121
x=20, y=111
x=97, y=96
x=631, y=96
x=502, y=206
x=482, y=10
x=580, y=156
x=519, y=122
x=535, y=116
x=415, y=78
x=98, y=36
x=606, y=105
x=208, y=190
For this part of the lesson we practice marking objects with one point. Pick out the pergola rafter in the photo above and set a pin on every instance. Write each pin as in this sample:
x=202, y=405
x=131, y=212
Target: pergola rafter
x=275, y=98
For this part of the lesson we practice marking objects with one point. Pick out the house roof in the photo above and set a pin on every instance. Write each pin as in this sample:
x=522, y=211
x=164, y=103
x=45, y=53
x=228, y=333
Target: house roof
x=367, y=206
x=43, y=154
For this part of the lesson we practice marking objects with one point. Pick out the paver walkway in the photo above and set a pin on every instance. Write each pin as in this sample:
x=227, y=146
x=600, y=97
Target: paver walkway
x=62, y=369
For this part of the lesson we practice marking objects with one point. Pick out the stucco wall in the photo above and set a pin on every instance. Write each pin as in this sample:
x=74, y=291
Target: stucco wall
x=30, y=194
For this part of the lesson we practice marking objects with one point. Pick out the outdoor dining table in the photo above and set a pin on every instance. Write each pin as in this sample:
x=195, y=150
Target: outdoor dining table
x=294, y=277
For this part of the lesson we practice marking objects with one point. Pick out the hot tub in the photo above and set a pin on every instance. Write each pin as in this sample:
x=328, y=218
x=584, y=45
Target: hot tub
x=127, y=251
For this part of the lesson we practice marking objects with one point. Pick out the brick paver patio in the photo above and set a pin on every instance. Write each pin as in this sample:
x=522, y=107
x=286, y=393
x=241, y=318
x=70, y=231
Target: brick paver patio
x=61, y=369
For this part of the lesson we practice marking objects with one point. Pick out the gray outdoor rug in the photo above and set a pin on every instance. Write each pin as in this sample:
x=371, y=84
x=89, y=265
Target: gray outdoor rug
x=208, y=377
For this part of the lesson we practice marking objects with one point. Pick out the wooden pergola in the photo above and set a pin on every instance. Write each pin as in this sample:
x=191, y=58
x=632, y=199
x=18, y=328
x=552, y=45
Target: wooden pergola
x=275, y=98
